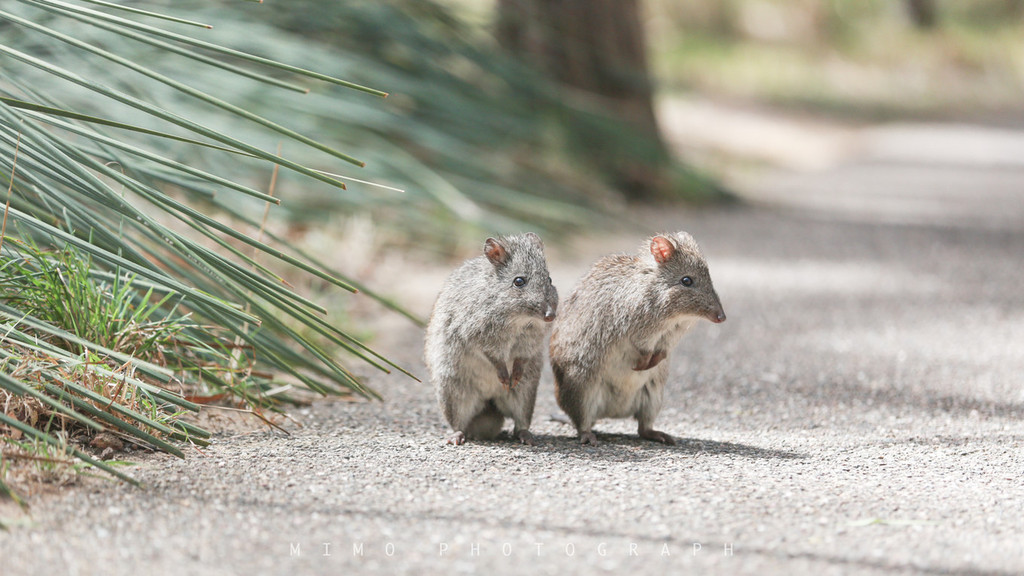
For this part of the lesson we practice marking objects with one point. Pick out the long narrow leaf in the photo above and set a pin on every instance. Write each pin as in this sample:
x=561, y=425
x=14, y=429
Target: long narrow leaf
x=32, y=432
x=150, y=369
x=19, y=389
x=133, y=10
x=158, y=393
x=165, y=161
x=114, y=260
x=46, y=111
x=117, y=423
x=212, y=47
x=168, y=116
x=127, y=412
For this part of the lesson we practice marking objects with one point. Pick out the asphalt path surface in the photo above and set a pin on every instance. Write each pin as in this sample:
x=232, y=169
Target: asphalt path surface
x=859, y=412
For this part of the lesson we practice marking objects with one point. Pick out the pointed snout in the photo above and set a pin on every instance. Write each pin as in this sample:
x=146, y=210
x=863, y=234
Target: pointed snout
x=717, y=316
x=549, y=315
x=715, y=312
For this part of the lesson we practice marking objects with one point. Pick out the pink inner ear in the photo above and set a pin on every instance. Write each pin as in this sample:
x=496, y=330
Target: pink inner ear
x=662, y=249
x=494, y=251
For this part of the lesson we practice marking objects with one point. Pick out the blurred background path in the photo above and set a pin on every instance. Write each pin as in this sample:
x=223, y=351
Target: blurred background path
x=943, y=173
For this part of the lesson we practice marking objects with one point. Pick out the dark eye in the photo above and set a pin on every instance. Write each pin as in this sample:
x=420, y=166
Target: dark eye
x=519, y=282
x=686, y=281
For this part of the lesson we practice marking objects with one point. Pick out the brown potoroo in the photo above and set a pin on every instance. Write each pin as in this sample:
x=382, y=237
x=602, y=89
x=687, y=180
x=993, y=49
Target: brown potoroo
x=485, y=341
x=610, y=344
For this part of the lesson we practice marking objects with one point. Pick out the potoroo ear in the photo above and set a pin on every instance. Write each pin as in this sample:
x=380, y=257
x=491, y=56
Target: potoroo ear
x=495, y=252
x=662, y=249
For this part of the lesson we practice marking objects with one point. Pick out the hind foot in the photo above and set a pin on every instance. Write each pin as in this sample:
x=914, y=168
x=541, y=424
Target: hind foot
x=526, y=437
x=651, y=434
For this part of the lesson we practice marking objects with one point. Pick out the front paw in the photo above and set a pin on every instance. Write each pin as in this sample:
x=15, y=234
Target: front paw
x=503, y=377
x=648, y=361
x=642, y=362
x=517, y=374
x=457, y=439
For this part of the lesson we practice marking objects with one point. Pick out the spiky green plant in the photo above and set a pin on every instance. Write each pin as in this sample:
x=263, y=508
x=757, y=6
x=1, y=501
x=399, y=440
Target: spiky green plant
x=120, y=290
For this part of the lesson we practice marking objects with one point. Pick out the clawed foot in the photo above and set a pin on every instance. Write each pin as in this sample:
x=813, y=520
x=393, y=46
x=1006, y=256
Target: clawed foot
x=457, y=439
x=588, y=437
x=657, y=437
x=648, y=361
x=504, y=379
x=526, y=437
x=509, y=381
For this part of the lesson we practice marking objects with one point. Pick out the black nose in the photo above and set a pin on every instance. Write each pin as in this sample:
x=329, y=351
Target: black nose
x=721, y=317
x=549, y=316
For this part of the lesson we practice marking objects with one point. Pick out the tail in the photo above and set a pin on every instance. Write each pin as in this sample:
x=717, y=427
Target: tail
x=568, y=398
x=556, y=369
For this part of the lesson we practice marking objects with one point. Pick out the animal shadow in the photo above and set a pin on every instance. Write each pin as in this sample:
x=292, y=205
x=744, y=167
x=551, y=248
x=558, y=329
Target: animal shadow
x=632, y=447
x=609, y=443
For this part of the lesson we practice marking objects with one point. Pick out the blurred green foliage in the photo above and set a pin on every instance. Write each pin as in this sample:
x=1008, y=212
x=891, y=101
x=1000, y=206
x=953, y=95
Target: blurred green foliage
x=477, y=141
x=847, y=57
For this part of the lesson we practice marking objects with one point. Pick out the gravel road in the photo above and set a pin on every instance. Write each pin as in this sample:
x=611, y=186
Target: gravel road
x=859, y=412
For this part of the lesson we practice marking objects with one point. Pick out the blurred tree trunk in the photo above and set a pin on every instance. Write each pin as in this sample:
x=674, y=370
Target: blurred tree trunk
x=599, y=48
x=924, y=13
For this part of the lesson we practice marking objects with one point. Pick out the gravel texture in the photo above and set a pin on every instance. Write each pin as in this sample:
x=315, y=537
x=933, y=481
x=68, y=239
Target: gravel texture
x=859, y=412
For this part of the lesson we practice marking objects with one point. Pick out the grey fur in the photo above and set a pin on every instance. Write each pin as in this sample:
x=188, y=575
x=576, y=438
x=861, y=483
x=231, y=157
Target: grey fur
x=485, y=340
x=611, y=340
